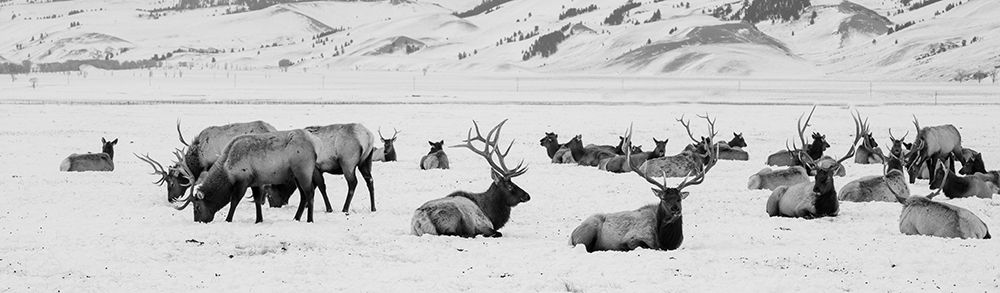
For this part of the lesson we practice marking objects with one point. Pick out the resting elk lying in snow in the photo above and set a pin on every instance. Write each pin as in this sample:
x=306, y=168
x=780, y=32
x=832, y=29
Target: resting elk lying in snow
x=868, y=151
x=814, y=150
x=687, y=162
x=978, y=185
x=933, y=144
x=252, y=161
x=559, y=153
x=973, y=162
x=924, y=216
x=770, y=179
x=103, y=161
x=876, y=188
x=813, y=199
x=656, y=226
x=617, y=164
x=588, y=156
x=469, y=214
x=200, y=155
x=388, y=151
x=733, y=150
x=436, y=158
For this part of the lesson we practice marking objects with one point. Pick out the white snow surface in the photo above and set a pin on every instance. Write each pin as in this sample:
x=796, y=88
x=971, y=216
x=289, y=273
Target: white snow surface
x=98, y=232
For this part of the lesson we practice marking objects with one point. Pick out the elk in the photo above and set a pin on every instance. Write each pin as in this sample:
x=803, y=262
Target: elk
x=868, y=151
x=253, y=161
x=875, y=188
x=814, y=150
x=955, y=186
x=933, y=144
x=468, y=214
x=388, y=151
x=199, y=156
x=900, y=149
x=923, y=216
x=343, y=149
x=733, y=150
x=973, y=162
x=688, y=161
x=617, y=164
x=588, y=156
x=617, y=150
x=436, y=158
x=813, y=199
x=103, y=161
x=655, y=226
x=559, y=153
x=771, y=179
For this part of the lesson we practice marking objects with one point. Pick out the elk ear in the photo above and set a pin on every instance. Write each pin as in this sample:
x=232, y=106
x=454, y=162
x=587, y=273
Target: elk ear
x=114, y=142
x=441, y=142
x=103, y=141
x=430, y=143
x=684, y=195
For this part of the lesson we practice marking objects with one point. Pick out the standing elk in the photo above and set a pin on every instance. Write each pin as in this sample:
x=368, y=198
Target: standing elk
x=656, y=226
x=814, y=150
x=868, y=151
x=468, y=214
x=933, y=144
x=435, y=158
x=388, y=151
x=558, y=153
x=923, y=216
x=342, y=149
x=199, y=156
x=588, y=156
x=954, y=186
x=617, y=164
x=813, y=199
x=876, y=188
x=253, y=161
x=688, y=161
x=770, y=179
x=103, y=161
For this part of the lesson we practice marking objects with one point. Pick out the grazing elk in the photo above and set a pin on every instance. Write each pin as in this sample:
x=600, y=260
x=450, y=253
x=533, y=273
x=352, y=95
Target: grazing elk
x=617, y=164
x=199, y=156
x=588, y=156
x=388, y=151
x=933, y=144
x=973, y=162
x=875, y=188
x=468, y=214
x=868, y=151
x=814, y=150
x=954, y=186
x=771, y=179
x=436, y=158
x=656, y=226
x=252, y=161
x=103, y=161
x=688, y=161
x=923, y=216
x=559, y=153
x=813, y=199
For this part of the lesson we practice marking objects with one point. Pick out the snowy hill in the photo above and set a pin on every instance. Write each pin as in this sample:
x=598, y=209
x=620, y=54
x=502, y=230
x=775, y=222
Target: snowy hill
x=834, y=38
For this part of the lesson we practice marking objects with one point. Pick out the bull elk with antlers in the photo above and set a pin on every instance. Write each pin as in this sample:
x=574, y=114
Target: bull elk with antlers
x=792, y=157
x=468, y=214
x=617, y=164
x=103, y=161
x=868, y=151
x=199, y=156
x=388, y=151
x=923, y=216
x=656, y=226
x=253, y=161
x=688, y=161
x=813, y=199
x=933, y=144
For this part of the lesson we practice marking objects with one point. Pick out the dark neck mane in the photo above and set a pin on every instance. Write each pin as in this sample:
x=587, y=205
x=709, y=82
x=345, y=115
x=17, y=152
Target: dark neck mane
x=668, y=235
x=815, y=150
x=826, y=198
x=552, y=147
x=492, y=204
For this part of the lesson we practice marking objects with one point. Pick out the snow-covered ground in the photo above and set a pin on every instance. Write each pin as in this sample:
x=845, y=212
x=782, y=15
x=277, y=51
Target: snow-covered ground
x=115, y=232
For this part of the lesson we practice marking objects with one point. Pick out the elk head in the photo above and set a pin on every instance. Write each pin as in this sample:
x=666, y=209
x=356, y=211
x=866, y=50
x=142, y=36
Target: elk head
x=510, y=192
x=738, y=141
x=178, y=177
x=108, y=147
x=660, y=149
x=825, y=172
x=671, y=197
x=387, y=144
x=550, y=138
x=436, y=146
x=899, y=147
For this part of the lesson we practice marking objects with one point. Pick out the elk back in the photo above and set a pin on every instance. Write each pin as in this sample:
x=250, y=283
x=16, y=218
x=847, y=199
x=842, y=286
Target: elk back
x=453, y=215
x=87, y=162
x=782, y=158
x=436, y=160
x=671, y=166
x=873, y=188
x=206, y=148
x=341, y=147
x=733, y=154
x=923, y=216
x=621, y=231
x=563, y=156
x=771, y=179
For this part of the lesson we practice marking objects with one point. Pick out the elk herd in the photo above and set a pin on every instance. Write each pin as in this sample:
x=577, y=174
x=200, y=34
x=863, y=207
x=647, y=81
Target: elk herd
x=217, y=167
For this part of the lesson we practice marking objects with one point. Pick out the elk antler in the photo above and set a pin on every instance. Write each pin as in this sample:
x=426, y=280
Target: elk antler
x=713, y=157
x=490, y=149
x=901, y=138
x=179, y=135
x=627, y=145
x=157, y=168
x=687, y=127
x=182, y=167
x=802, y=127
x=393, y=135
x=860, y=128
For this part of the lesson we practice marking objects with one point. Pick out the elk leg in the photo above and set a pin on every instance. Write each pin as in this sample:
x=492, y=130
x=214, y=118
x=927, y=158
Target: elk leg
x=258, y=197
x=321, y=184
x=935, y=182
x=352, y=183
x=366, y=173
x=238, y=194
